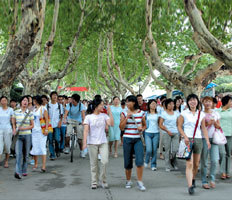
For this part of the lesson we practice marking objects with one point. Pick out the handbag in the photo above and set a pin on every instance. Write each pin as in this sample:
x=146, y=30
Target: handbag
x=185, y=151
x=219, y=137
x=43, y=123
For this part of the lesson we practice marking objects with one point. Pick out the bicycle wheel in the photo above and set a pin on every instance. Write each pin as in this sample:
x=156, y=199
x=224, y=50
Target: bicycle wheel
x=72, y=146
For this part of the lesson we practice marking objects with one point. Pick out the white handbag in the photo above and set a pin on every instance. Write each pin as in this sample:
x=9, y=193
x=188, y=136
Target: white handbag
x=219, y=137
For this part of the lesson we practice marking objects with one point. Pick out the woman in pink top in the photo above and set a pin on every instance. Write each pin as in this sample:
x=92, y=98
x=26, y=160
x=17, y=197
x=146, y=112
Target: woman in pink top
x=95, y=137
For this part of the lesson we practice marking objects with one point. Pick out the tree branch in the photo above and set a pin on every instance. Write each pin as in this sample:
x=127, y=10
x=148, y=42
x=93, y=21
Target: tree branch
x=211, y=45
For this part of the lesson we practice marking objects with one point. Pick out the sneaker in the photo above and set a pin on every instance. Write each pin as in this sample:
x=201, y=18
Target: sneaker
x=52, y=158
x=82, y=154
x=191, y=190
x=153, y=168
x=104, y=185
x=32, y=162
x=67, y=150
x=99, y=157
x=24, y=174
x=145, y=165
x=175, y=168
x=129, y=185
x=94, y=186
x=167, y=169
x=141, y=186
x=16, y=175
x=58, y=154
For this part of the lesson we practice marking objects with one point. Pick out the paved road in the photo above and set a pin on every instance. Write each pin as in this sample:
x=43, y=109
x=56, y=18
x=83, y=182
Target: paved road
x=68, y=181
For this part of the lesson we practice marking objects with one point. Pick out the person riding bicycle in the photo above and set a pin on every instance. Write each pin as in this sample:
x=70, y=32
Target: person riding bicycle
x=74, y=117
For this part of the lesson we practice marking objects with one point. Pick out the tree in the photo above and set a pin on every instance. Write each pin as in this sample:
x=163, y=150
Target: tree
x=42, y=73
x=23, y=44
x=181, y=78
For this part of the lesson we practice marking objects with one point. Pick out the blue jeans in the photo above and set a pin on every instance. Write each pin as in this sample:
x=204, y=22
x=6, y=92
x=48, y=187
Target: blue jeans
x=55, y=136
x=62, y=133
x=214, y=157
x=130, y=146
x=23, y=145
x=152, y=141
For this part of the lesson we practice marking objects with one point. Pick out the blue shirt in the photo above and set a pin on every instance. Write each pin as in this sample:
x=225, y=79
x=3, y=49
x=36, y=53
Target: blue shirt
x=75, y=112
x=152, y=123
x=170, y=121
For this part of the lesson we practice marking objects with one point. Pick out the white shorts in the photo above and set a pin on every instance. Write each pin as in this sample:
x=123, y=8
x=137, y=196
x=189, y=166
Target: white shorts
x=77, y=126
x=5, y=140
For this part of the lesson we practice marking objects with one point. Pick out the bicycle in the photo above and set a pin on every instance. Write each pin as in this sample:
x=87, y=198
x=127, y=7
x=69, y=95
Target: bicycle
x=73, y=141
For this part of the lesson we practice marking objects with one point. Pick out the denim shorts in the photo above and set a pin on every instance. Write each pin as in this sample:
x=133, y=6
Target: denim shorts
x=133, y=146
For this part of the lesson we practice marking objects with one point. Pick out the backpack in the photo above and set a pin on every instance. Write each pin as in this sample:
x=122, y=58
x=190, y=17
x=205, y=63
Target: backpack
x=70, y=106
x=59, y=107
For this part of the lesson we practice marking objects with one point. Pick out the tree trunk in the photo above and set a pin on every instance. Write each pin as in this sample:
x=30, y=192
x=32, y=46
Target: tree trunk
x=19, y=50
x=5, y=92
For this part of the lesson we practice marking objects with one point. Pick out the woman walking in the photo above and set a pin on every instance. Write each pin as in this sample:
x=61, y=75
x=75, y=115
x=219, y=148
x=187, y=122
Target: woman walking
x=6, y=114
x=39, y=138
x=186, y=126
x=134, y=123
x=95, y=137
x=23, y=122
x=212, y=123
x=114, y=131
x=225, y=150
x=168, y=123
x=151, y=135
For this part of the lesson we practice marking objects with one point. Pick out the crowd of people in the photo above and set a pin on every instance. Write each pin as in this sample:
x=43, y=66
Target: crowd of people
x=146, y=129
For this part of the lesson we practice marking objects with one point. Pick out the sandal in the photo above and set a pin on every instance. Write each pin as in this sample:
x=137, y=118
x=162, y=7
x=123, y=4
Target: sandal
x=227, y=176
x=43, y=170
x=115, y=155
x=223, y=176
x=206, y=186
x=6, y=165
x=212, y=185
x=94, y=186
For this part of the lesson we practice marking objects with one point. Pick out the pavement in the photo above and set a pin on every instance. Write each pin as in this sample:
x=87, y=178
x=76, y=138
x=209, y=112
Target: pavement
x=68, y=181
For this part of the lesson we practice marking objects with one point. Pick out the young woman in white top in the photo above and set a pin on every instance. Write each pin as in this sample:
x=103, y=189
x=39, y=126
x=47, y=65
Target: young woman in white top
x=168, y=123
x=39, y=139
x=186, y=126
x=212, y=123
x=95, y=137
x=6, y=114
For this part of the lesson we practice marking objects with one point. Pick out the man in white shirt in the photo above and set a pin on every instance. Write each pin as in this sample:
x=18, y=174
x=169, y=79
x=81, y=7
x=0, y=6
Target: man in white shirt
x=55, y=112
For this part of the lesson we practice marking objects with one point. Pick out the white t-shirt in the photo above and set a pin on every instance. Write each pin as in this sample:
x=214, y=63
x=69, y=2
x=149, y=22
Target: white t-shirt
x=208, y=116
x=5, y=116
x=190, y=122
x=97, y=124
x=159, y=110
x=170, y=121
x=152, y=123
x=54, y=113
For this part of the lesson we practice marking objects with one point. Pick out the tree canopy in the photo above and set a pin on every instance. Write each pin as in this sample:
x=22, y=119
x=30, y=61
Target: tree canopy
x=107, y=44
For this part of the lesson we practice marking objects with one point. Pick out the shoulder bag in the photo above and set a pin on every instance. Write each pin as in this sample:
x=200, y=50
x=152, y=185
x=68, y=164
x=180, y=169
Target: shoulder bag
x=185, y=151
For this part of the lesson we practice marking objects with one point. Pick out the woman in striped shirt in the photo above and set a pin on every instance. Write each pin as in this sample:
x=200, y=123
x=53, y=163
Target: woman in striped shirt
x=133, y=123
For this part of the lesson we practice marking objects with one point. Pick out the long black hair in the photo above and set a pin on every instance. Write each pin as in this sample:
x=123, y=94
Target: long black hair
x=133, y=98
x=149, y=103
x=175, y=108
x=38, y=99
x=93, y=105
